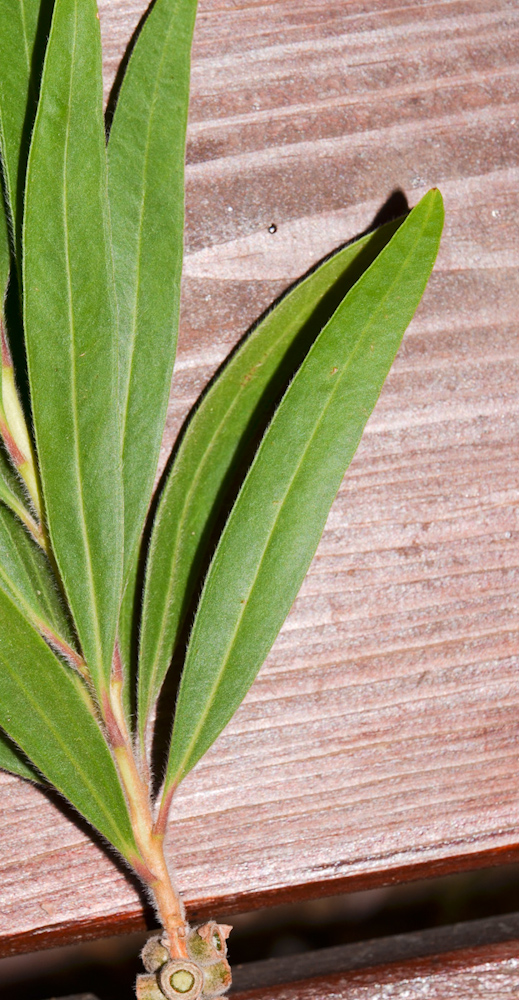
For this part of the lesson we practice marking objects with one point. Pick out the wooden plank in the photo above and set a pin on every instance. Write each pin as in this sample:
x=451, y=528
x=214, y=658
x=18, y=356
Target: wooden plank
x=380, y=741
x=480, y=935
x=489, y=973
x=441, y=963
x=328, y=966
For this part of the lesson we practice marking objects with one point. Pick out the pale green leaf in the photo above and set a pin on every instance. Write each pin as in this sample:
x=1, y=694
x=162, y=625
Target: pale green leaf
x=277, y=520
x=11, y=489
x=146, y=189
x=20, y=62
x=217, y=440
x=13, y=495
x=4, y=253
x=43, y=708
x=14, y=761
x=26, y=577
x=70, y=327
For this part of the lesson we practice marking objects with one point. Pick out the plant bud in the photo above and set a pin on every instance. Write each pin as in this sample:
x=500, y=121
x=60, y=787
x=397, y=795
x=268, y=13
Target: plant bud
x=154, y=954
x=180, y=980
x=207, y=944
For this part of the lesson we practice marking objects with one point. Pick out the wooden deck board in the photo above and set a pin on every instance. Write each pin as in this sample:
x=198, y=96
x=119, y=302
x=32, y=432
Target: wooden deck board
x=486, y=973
x=380, y=740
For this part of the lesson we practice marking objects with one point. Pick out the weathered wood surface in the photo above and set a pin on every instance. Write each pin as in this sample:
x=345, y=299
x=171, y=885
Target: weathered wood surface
x=380, y=740
x=486, y=973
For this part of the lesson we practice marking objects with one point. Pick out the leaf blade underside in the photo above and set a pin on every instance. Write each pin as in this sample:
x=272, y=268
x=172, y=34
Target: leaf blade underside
x=11, y=494
x=4, y=254
x=277, y=520
x=27, y=579
x=70, y=320
x=146, y=151
x=14, y=761
x=43, y=709
x=221, y=430
x=18, y=94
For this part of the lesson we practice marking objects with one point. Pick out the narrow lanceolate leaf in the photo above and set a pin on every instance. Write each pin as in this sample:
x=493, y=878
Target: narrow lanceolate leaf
x=277, y=520
x=69, y=309
x=20, y=60
x=146, y=187
x=26, y=577
x=217, y=441
x=43, y=709
x=14, y=761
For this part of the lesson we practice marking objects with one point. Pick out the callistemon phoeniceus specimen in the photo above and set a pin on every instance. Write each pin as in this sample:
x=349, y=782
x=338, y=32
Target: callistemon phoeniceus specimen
x=100, y=587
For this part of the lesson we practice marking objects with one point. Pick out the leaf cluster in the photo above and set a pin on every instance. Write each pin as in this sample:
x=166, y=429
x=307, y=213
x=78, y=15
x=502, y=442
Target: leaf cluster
x=101, y=585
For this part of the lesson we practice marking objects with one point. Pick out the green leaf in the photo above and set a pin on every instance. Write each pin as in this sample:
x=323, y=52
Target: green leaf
x=4, y=254
x=10, y=489
x=44, y=709
x=277, y=520
x=21, y=22
x=218, y=440
x=12, y=495
x=69, y=309
x=12, y=760
x=146, y=189
x=26, y=577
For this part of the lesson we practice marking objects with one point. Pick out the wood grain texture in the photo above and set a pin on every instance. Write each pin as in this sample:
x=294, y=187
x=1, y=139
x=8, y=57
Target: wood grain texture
x=489, y=973
x=380, y=740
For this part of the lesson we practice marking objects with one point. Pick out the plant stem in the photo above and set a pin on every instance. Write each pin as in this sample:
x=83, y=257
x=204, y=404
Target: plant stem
x=151, y=866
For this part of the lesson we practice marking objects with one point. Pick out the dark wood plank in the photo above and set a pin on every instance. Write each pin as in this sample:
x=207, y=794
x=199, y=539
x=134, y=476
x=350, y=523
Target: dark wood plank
x=380, y=741
x=489, y=973
x=466, y=948
x=482, y=935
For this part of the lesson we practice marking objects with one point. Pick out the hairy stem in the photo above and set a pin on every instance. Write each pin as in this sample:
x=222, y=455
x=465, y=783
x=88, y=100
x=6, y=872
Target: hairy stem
x=151, y=866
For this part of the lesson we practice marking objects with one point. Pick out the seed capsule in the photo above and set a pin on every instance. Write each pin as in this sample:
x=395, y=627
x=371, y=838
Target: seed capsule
x=154, y=954
x=207, y=944
x=147, y=988
x=181, y=980
x=217, y=979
